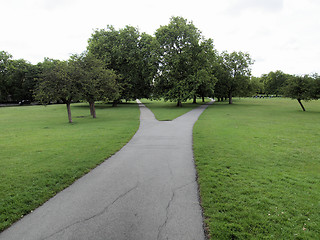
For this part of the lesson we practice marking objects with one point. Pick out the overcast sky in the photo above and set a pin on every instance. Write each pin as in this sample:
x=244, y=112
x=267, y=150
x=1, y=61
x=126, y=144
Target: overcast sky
x=278, y=34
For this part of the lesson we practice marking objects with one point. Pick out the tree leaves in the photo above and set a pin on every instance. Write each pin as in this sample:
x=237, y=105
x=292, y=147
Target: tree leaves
x=183, y=61
x=131, y=55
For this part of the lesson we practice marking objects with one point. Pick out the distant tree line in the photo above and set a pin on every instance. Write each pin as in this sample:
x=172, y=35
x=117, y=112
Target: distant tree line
x=17, y=79
x=175, y=64
x=278, y=83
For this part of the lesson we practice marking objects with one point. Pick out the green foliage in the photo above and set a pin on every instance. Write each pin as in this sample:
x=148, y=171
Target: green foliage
x=315, y=92
x=258, y=168
x=185, y=67
x=56, y=83
x=256, y=86
x=16, y=79
x=205, y=68
x=234, y=74
x=130, y=54
x=40, y=154
x=82, y=77
x=96, y=83
x=300, y=88
x=4, y=70
x=274, y=82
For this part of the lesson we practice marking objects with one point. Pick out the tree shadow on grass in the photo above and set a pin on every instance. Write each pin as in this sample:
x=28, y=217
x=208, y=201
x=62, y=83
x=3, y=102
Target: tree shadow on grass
x=235, y=104
x=172, y=105
x=106, y=105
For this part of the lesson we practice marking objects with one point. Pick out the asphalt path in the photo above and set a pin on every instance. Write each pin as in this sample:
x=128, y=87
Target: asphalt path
x=147, y=190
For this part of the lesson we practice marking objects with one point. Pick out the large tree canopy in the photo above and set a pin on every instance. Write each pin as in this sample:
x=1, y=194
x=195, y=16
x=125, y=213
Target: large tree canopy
x=16, y=79
x=235, y=73
x=205, y=69
x=95, y=81
x=316, y=87
x=4, y=75
x=185, y=63
x=300, y=88
x=129, y=54
x=57, y=84
x=274, y=82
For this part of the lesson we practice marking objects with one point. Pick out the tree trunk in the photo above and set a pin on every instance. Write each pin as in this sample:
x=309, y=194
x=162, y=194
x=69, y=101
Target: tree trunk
x=299, y=100
x=115, y=103
x=179, y=103
x=92, y=110
x=90, y=105
x=194, y=99
x=69, y=112
x=202, y=98
x=230, y=98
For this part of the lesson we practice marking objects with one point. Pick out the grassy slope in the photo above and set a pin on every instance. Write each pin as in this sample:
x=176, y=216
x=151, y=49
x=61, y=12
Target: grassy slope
x=40, y=153
x=259, y=169
x=165, y=111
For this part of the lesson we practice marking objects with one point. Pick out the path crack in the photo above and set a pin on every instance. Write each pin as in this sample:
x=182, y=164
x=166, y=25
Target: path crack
x=163, y=225
x=185, y=185
x=104, y=210
x=170, y=169
x=167, y=216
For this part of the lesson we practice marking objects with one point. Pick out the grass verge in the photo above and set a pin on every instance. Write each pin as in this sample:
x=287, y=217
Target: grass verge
x=41, y=153
x=167, y=111
x=258, y=166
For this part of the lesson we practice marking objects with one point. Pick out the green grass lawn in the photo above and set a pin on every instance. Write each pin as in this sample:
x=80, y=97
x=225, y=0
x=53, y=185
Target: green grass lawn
x=41, y=153
x=257, y=160
x=165, y=111
x=258, y=163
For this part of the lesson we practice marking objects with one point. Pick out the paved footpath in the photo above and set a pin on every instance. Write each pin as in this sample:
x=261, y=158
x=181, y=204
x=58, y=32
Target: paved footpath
x=146, y=191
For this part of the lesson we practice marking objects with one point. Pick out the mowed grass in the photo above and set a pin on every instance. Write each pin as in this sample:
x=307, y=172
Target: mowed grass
x=258, y=163
x=41, y=153
x=167, y=111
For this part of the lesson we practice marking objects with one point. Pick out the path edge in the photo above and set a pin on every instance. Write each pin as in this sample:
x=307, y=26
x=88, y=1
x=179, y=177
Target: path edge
x=205, y=226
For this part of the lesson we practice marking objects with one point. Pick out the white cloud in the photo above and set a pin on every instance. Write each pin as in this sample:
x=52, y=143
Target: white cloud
x=279, y=34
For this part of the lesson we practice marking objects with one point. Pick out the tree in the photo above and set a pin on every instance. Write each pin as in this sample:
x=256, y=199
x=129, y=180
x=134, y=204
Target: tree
x=22, y=83
x=96, y=82
x=57, y=84
x=176, y=77
x=5, y=61
x=205, y=68
x=235, y=78
x=16, y=79
x=274, y=82
x=129, y=54
x=300, y=88
x=316, y=86
x=256, y=86
x=221, y=87
x=148, y=65
x=205, y=81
